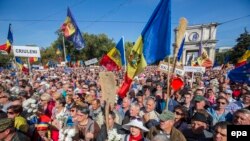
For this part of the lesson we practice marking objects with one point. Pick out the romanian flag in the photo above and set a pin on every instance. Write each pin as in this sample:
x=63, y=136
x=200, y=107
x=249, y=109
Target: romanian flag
x=33, y=59
x=115, y=58
x=7, y=46
x=72, y=32
x=153, y=44
x=243, y=60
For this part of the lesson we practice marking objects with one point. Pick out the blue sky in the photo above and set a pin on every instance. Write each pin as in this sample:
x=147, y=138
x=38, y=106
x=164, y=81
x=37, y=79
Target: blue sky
x=35, y=21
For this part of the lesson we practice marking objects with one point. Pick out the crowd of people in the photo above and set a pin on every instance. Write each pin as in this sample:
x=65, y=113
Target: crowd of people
x=67, y=105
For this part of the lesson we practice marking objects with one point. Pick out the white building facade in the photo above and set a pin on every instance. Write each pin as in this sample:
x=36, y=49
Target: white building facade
x=199, y=35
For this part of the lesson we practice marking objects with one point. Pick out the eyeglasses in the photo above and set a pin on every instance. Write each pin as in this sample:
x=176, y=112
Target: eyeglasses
x=178, y=113
x=222, y=103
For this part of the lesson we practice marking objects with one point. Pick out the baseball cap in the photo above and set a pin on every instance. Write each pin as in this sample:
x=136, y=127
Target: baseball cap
x=199, y=98
x=6, y=123
x=166, y=115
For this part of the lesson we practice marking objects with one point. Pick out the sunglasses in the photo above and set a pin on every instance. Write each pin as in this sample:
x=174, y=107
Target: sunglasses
x=10, y=113
x=222, y=103
x=178, y=113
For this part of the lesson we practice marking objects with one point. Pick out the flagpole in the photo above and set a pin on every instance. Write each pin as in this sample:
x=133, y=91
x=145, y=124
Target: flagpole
x=125, y=61
x=64, y=51
x=29, y=65
x=168, y=85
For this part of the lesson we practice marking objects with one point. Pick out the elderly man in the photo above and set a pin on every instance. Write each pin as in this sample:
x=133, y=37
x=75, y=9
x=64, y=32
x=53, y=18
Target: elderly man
x=241, y=117
x=133, y=113
x=220, y=131
x=166, y=128
x=151, y=117
x=198, y=131
x=124, y=110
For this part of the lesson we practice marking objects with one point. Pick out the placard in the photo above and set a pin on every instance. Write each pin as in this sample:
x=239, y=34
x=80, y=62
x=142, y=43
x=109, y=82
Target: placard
x=91, y=61
x=164, y=68
x=26, y=51
x=194, y=69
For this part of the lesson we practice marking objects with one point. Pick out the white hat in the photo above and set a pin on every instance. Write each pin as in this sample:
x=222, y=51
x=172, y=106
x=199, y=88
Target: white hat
x=228, y=91
x=136, y=123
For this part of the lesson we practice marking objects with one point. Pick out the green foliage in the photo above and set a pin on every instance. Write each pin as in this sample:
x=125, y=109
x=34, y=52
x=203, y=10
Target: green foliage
x=96, y=47
x=240, y=48
x=5, y=59
x=243, y=42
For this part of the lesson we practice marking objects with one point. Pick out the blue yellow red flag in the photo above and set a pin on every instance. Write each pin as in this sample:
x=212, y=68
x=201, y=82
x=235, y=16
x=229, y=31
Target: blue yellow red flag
x=72, y=32
x=7, y=46
x=115, y=58
x=153, y=45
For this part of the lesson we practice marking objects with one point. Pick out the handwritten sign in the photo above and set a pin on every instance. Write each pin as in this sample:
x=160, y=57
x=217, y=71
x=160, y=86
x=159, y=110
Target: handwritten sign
x=164, y=68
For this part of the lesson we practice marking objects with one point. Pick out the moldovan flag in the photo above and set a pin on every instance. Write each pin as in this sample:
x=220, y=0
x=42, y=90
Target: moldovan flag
x=72, y=32
x=7, y=46
x=244, y=58
x=153, y=44
x=115, y=58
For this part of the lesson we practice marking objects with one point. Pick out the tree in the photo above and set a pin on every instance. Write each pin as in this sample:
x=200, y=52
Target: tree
x=240, y=48
x=96, y=46
x=5, y=59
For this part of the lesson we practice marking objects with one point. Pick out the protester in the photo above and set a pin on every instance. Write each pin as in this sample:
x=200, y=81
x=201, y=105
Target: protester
x=166, y=128
x=72, y=100
x=8, y=132
x=88, y=129
x=199, y=129
x=220, y=130
x=241, y=117
x=136, y=129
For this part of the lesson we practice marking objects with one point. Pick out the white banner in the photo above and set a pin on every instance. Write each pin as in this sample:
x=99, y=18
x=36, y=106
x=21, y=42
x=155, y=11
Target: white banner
x=194, y=69
x=91, y=61
x=26, y=51
x=164, y=67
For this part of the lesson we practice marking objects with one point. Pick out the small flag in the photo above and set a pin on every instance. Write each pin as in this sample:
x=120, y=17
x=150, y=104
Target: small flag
x=33, y=59
x=181, y=49
x=21, y=66
x=68, y=57
x=244, y=58
x=72, y=32
x=7, y=46
x=115, y=58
